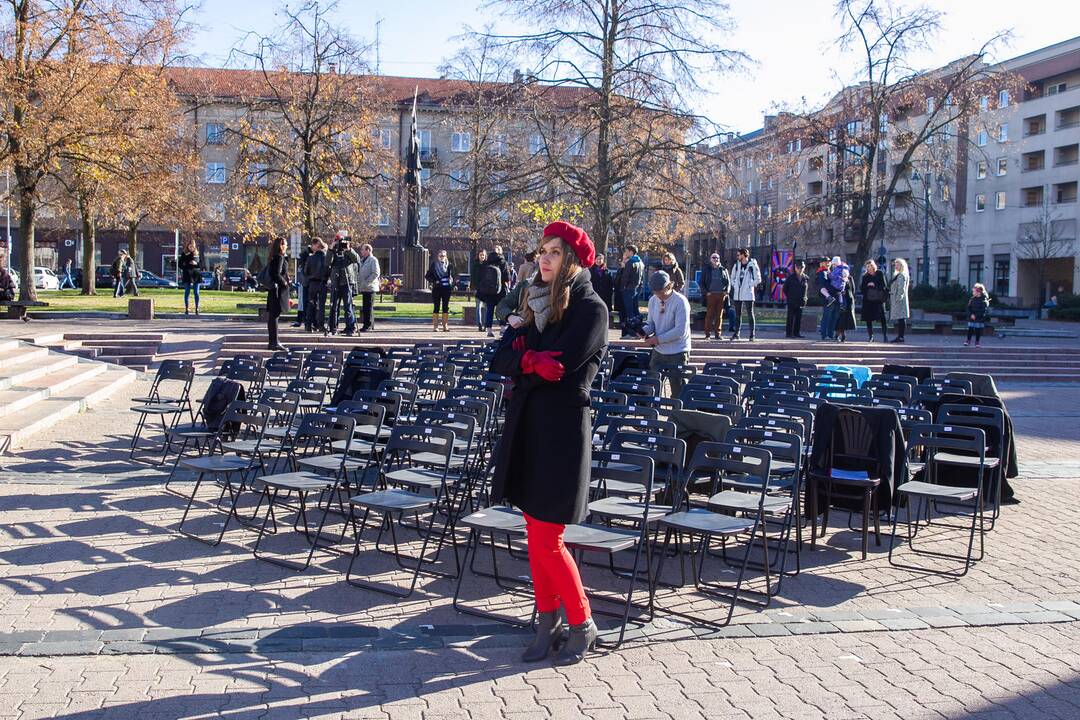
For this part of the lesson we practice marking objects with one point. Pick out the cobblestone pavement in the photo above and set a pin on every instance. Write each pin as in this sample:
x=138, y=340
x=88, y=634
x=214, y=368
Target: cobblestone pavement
x=91, y=565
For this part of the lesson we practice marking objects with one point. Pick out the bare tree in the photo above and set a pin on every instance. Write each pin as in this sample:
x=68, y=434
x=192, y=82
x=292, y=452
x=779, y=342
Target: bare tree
x=67, y=69
x=306, y=157
x=634, y=64
x=1042, y=240
x=895, y=119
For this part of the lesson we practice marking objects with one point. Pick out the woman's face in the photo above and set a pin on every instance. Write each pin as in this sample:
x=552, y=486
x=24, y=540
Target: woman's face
x=896, y=266
x=551, y=259
x=442, y=257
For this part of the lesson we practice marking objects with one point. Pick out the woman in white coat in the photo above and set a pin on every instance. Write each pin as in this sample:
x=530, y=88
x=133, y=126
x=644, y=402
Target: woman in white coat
x=899, y=310
x=745, y=277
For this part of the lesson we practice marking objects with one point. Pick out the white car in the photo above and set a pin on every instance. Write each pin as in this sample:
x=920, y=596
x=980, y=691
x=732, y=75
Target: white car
x=45, y=279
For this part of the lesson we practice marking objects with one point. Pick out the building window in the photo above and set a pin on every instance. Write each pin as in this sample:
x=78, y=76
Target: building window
x=576, y=147
x=257, y=174
x=425, y=177
x=944, y=270
x=457, y=218
x=536, y=144
x=980, y=170
x=984, y=103
x=461, y=142
x=980, y=202
x=750, y=187
x=975, y=271
x=794, y=146
x=386, y=138
x=981, y=139
x=215, y=134
x=1003, y=99
x=215, y=173
x=1001, y=274
x=498, y=145
x=931, y=105
x=1002, y=167
x=384, y=217
x=425, y=215
x=460, y=179
x=999, y=200
x=1003, y=132
x=425, y=140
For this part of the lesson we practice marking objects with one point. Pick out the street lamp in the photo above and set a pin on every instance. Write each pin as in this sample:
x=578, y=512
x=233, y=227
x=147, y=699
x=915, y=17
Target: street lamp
x=924, y=278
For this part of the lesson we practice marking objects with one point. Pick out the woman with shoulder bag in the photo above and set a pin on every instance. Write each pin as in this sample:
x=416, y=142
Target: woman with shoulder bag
x=190, y=273
x=441, y=276
x=874, y=290
x=552, y=352
x=277, y=293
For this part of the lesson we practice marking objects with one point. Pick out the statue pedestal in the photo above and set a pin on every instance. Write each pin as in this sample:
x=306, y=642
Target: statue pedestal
x=414, y=286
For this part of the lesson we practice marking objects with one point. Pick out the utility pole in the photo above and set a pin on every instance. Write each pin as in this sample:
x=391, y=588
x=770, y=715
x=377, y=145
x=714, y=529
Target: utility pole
x=924, y=276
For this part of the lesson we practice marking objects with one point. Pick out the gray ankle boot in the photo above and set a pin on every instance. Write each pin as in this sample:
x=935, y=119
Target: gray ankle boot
x=581, y=641
x=549, y=627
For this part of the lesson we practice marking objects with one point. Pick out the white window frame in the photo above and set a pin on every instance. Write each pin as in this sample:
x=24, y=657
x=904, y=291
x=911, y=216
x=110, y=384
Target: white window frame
x=984, y=103
x=424, y=215
x=981, y=170
x=498, y=145
x=982, y=138
x=1003, y=99
x=425, y=177
x=386, y=138
x=537, y=144
x=1003, y=132
x=460, y=179
x=999, y=200
x=424, y=136
x=383, y=217
x=217, y=137
x=576, y=148
x=931, y=105
x=1002, y=167
x=980, y=202
x=460, y=141
x=215, y=173
x=257, y=174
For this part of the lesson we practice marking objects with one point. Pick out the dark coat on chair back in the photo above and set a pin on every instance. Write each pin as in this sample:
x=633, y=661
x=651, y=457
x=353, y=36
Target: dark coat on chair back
x=542, y=463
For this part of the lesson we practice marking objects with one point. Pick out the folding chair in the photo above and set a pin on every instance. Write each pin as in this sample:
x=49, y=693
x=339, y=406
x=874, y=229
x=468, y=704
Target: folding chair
x=242, y=421
x=167, y=408
x=312, y=394
x=637, y=386
x=199, y=433
x=166, y=372
x=941, y=445
x=283, y=368
x=990, y=420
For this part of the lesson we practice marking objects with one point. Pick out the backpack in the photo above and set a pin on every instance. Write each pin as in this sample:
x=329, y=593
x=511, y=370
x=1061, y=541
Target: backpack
x=489, y=280
x=221, y=393
x=263, y=278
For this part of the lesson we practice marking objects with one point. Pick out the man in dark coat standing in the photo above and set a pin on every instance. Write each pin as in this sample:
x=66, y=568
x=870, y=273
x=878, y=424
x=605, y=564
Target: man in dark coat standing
x=795, y=290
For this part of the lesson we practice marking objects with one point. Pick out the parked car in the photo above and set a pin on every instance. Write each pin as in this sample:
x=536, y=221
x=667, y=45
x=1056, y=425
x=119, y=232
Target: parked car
x=693, y=291
x=45, y=279
x=149, y=279
x=103, y=276
x=462, y=284
x=237, y=278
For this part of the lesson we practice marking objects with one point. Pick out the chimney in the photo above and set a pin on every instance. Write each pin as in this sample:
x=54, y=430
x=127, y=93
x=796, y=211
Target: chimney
x=770, y=121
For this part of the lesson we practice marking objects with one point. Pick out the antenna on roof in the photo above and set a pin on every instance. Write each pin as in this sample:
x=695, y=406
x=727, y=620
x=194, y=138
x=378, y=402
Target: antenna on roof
x=378, y=24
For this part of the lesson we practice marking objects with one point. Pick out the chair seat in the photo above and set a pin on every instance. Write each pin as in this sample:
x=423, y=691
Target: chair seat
x=499, y=519
x=456, y=461
x=600, y=538
x=948, y=458
x=932, y=490
x=857, y=478
x=159, y=409
x=368, y=431
x=623, y=488
x=417, y=477
x=299, y=481
x=331, y=462
x=281, y=432
x=189, y=431
x=216, y=463
x=625, y=509
x=392, y=501
x=747, y=502
x=706, y=522
x=916, y=467
x=250, y=446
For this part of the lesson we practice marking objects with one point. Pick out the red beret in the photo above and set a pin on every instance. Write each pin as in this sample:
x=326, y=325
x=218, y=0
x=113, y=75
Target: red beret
x=576, y=238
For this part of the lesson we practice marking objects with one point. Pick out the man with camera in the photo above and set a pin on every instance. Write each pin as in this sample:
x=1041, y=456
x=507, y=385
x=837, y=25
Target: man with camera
x=343, y=281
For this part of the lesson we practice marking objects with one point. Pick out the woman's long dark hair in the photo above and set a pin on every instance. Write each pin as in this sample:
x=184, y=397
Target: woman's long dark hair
x=560, y=284
x=277, y=247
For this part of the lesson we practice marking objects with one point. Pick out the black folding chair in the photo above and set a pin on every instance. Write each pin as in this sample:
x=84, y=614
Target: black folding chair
x=164, y=406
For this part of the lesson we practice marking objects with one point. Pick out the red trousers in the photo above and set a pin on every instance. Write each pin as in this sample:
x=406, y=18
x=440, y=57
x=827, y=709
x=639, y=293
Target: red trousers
x=554, y=572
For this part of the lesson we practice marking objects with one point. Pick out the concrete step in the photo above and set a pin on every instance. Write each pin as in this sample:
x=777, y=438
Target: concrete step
x=148, y=337
x=18, y=355
x=17, y=428
x=15, y=399
x=37, y=366
x=111, y=352
x=45, y=339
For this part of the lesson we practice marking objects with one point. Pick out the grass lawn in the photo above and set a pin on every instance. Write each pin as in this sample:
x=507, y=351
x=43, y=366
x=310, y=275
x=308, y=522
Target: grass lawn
x=220, y=302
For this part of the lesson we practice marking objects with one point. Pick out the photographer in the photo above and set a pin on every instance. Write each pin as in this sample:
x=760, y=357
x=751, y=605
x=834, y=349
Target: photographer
x=667, y=331
x=343, y=282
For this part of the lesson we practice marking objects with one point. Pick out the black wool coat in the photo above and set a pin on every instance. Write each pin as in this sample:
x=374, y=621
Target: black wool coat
x=277, y=297
x=873, y=310
x=543, y=459
x=846, y=321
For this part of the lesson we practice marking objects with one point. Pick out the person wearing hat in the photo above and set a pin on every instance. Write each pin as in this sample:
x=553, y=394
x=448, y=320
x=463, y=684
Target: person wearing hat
x=667, y=331
x=552, y=353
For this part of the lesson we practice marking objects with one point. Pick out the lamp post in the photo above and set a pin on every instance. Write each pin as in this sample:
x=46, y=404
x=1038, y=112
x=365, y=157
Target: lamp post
x=924, y=276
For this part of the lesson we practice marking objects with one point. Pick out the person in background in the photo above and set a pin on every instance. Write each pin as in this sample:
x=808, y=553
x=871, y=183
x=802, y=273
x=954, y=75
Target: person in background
x=899, y=310
x=526, y=269
x=190, y=273
x=667, y=331
x=715, y=284
x=66, y=278
x=978, y=312
x=601, y=281
x=795, y=291
x=344, y=281
x=874, y=290
x=301, y=285
x=131, y=275
x=7, y=283
x=745, y=277
x=633, y=274
x=441, y=276
x=671, y=266
x=496, y=256
x=118, y=272
x=846, y=318
x=315, y=271
x=369, y=274
x=219, y=277
x=474, y=278
x=490, y=289
x=277, y=296
x=827, y=326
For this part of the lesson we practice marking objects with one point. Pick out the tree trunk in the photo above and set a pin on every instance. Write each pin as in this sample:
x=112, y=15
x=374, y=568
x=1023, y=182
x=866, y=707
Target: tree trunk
x=89, y=269
x=133, y=242
x=27, y=218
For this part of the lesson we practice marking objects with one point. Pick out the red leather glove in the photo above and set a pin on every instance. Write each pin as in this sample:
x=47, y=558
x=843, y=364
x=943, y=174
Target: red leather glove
x=519, y=344
x=544, y=364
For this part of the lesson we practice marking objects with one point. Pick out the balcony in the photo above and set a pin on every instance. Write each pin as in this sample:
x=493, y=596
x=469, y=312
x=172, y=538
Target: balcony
x=1033, y=161
x=1035, y=125
x=1033, y=197
x=1064, y=193
x=1066, y=155
x=1068, y=118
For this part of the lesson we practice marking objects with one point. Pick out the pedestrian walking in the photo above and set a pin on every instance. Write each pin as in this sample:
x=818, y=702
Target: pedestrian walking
x=543, y=459
x=131, y=275
x=369, y=276
x=277, y=294
x=745, y=277
x=441, y=277
x=633, y=275
x=978, y=312
x=715, y=284
x=478, y=264
x=490, y=289
x=496, y=256
x=67, y=279
x=190, y=273
x=343, y=280
x=874, y=289
x=795, y=291
x=315, y=271
x=899, y=309
x=117, y=272
x=667, y=331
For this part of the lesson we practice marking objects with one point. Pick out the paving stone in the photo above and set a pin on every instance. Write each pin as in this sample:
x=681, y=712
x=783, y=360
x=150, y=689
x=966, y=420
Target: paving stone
x=62, y=648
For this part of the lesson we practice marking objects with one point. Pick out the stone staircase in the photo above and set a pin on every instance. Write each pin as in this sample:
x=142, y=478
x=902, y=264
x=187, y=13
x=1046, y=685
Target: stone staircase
x=137, y=351
x=40, y=387
x=1014, y=360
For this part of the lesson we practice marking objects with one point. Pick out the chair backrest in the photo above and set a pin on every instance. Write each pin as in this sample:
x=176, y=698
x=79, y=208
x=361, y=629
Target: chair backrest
x=616, y=425
x=925, y=395
x=309, y=390
x=478, y=410
x=789, y=400
x=366, y=416
x=393, y=401
x=406, y=388
x=244, y=421
x=604, y=413
x=233, y=364
x=731, y=388
x=334, y=355
x=990, y=419
x=623, y=466
x=463, y=424
x=253, y=376
x=489, y=398
x=891, y=390
x=803, y=416
x=668, y=453
x=715, y=381
x=434, y=442
x=283, y=367
x=782, y=445
x=282, y=403
x=181, y=371
x=730, y=410
x=853, y=440
x=318, y=432
x=927, y=439
x=895, y=378
x=735, y=373
x=664, y=405
x=945, y=385
x=638, y=386
x=797, y=382
x=718, y=396
x=607, y=397
x=841, y=394
x=717, y=460
x=773, y=424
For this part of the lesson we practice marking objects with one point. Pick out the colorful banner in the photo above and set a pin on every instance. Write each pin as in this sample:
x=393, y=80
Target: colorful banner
x=778, y=271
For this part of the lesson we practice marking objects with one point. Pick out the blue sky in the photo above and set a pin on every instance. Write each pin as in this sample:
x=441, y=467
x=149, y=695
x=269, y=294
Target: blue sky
x=789, y=40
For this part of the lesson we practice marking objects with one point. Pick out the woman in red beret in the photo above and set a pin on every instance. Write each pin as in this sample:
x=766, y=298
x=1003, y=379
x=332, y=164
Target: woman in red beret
x=542, y=463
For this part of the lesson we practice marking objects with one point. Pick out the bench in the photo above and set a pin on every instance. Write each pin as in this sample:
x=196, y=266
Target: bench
x=16, y=309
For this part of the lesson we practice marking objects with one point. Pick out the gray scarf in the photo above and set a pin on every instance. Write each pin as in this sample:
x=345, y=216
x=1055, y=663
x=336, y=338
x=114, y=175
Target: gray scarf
x=540, y=304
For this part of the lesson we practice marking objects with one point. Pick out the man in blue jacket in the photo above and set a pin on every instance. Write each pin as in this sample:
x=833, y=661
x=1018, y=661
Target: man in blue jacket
x=630, y=280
